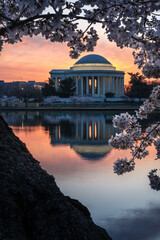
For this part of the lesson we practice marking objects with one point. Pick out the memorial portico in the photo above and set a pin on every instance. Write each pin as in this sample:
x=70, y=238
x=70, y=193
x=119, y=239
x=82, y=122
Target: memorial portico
x=93, y=75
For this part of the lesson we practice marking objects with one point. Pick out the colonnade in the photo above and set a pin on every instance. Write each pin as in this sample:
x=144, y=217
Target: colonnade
x=96, y=85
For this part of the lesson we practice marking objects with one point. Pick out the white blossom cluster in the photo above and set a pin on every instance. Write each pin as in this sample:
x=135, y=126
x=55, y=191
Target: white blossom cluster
x=137, y=140
x=132, y=131
x=144, y=110
x=6, y=99
x=155, y=96
x=123, y=165
x=124, y=120
x=60, y=20
x=153, y=131
x=150, y=104
x=157, y=146
x=121, y=141
x=154, y=179
x=73, y=99
x=140, y=151
x=128, y=123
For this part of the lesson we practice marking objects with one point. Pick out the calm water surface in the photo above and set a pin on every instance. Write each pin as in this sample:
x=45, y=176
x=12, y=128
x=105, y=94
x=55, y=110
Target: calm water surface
x=73, y=146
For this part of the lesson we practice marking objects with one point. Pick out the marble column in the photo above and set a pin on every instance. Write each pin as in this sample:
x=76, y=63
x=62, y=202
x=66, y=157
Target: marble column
x=87, y=85
x=113, y=85
x=82, y=86
x=98, y=79
x=122, y=86
x=104, y=86
x=109, y=85
x=117, y=79
x=92, y=86
x=76, y=85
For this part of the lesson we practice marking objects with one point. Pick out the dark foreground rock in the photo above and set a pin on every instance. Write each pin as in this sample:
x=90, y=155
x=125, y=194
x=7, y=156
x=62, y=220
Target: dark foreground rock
x=31, y=204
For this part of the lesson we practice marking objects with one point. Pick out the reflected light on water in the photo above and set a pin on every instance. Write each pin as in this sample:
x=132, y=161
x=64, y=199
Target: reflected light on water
x=90, y=131
x=95, y=130
x=74, y=148
x=59, y=132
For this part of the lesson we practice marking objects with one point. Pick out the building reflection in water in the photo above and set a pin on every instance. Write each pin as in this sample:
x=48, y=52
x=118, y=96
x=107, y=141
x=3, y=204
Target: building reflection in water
x=86, y=133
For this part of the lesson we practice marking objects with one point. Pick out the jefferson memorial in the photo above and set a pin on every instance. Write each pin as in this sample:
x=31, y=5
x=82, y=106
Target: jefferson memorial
x=94, y=76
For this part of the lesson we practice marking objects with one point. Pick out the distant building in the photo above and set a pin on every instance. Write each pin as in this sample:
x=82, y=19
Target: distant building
x=38, y=85
x=93, y=75
x=22, y=84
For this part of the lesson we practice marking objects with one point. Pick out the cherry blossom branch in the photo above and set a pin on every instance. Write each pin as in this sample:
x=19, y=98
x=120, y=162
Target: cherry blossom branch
x=20, y=23
x=5, y=17
x=146, y=138
x=116, y=18
x=133, y=133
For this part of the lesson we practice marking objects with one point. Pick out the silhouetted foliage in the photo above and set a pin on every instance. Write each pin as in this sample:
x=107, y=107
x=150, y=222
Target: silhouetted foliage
x=1, y=89
x=138, y=87
x=67, y=87
x=110, y=95
x=49, y=88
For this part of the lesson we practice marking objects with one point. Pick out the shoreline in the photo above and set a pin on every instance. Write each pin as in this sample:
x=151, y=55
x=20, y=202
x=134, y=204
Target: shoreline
x=99, y=107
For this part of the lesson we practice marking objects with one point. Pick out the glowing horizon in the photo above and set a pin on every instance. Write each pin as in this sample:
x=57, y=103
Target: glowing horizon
x=34, y=58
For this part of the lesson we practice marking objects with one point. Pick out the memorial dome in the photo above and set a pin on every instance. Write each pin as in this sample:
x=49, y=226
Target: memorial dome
x=92, y=58
x=93, y=62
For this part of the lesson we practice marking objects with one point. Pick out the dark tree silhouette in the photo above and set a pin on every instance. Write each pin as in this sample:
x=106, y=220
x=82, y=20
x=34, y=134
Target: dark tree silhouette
x=138, y=86
x=67, y=87
x=49, y=88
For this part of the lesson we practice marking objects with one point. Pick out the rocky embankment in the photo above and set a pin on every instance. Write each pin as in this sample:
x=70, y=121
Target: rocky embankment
x=31, y=204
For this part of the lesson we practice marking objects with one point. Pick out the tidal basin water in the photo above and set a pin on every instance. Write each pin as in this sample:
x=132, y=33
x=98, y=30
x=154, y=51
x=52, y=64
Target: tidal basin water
x=73, y=146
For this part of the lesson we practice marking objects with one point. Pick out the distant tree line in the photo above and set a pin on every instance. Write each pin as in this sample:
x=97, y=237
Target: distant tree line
x=66, y=89
x=22, y=92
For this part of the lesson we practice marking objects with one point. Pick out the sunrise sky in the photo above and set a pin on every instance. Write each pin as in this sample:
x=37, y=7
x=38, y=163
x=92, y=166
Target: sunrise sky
x=33, y=58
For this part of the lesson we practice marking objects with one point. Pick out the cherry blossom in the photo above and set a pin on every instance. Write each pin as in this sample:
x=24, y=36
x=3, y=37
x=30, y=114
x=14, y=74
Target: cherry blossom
x=157, y=146
x=121, y=141
x=124, y=120
x=62, y=21
x=123, y=165
x=154, y=179
x=137, y=140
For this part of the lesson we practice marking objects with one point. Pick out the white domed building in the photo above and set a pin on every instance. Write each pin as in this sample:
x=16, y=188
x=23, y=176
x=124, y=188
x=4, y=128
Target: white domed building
x=94, y=76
